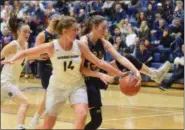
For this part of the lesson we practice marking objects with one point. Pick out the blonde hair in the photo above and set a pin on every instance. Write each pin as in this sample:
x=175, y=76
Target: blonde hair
x=62, y=22
x=144, y=26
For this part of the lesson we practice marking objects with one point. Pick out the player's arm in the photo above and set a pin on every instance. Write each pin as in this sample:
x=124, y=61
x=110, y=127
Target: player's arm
x=32, y=52
x=92, y=58
x=87, y=72
x=121, y=59
x=40, y=39
x=8, y=50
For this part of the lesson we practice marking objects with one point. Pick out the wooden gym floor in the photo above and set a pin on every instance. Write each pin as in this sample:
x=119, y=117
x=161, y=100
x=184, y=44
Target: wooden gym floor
x=150, y=109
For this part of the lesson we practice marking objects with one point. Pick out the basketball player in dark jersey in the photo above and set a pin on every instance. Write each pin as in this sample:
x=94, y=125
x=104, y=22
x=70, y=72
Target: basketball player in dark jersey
x=45, y=67
x=95, y=29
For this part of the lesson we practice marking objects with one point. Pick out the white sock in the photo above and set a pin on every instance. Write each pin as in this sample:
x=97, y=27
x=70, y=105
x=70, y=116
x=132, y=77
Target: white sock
x=149, y=73
x=36, y=116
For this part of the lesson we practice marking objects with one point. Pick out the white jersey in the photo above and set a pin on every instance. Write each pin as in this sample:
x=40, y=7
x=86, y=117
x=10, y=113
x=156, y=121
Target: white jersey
x=66, y=64
x=11, y=73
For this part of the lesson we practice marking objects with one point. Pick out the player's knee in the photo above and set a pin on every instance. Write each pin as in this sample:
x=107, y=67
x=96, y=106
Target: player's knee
x=97, y=118
x=97, y=122
x=26, y=104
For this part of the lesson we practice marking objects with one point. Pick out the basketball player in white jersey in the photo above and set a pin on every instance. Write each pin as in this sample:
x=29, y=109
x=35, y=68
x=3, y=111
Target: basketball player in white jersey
x=66, y=82
x=11, y=72
x=45, y=67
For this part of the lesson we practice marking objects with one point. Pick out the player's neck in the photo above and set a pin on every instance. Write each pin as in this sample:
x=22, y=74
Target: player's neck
x=50, y=30
x=21, y=43
x=65, y=43
x=93, y=37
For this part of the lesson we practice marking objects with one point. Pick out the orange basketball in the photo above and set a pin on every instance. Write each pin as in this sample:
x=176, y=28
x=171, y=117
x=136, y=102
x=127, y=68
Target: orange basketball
x=129, y=85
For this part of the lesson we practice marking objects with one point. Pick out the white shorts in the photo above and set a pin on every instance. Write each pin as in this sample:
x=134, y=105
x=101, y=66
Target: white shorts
x=8, y=91
x=57, y=95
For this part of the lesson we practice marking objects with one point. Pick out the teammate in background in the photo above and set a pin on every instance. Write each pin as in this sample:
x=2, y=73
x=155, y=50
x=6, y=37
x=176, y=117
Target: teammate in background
x=45, y=67
x=67, y=57
x=94, y=31
x=11, y=72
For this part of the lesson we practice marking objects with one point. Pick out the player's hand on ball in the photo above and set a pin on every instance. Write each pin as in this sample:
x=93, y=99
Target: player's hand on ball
x=138, y=75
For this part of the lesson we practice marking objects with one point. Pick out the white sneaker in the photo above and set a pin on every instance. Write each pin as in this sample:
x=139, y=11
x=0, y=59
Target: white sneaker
x=21, y=127
x=161, y=72
x=33, y=123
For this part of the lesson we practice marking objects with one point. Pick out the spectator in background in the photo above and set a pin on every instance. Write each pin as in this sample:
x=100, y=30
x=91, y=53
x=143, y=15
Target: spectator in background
x=31, y=9
x=5, y=13
x=124, y=25
x=176, y=29
x=119, y=44
x=149, y=15
x=144, y=31
x=141, y=52
x=107, y=9
x=117, y=32
x=140, y=17
x=178, y=73
x=168, y=10
x=119, y=13
x=134, y=7
x=81, y=17
x=160, y=28
x=166, y=39
x=179, y=11
x=3, y=24
x=72, y=12
x=156, y=30
x=131, y=39
x=39, y=13
x=62, y=7
x=154, y=5
x=97, y=6
x=160, y=9
x=49, y=8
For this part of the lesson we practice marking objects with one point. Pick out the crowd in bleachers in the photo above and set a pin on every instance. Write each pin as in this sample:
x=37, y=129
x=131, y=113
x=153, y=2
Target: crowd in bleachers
x=151, y=30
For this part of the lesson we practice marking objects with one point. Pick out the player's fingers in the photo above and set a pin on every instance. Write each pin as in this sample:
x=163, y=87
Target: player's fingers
x=124, y=74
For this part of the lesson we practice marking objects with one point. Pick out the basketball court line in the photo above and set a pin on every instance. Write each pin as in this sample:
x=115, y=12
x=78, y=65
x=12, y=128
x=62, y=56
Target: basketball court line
x=135, y=117
x=58, y=121
x=137, y=107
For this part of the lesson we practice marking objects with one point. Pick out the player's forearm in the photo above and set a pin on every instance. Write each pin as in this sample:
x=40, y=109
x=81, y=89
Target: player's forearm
x=18, y=56
x=109, y=68
x=125, y=62
x=88, y=72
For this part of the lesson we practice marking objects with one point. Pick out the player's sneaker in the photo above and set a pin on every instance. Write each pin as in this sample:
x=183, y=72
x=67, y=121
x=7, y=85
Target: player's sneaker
x=161, y=72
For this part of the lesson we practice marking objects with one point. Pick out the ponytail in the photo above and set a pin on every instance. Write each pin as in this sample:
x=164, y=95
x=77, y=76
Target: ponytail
x=14, y=23
x=55, y=23
x=87, y=27
x=62, y=22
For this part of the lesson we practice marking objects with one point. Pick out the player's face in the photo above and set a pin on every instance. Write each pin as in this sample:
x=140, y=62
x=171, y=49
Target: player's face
x=101, y=29
x=72, y=32
x=24, y=32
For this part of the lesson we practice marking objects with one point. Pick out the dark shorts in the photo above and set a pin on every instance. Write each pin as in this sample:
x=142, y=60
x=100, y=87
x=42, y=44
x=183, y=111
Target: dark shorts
x=93, y=91
x=45, y=73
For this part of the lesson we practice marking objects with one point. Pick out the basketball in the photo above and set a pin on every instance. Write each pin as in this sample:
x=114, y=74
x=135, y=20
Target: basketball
x=129, y=85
